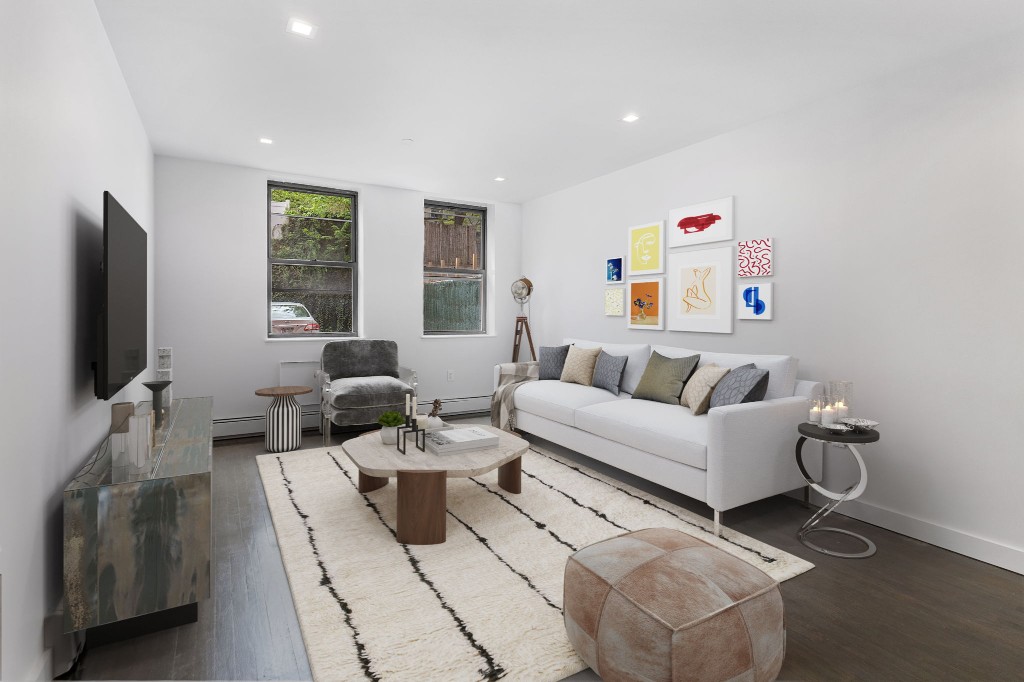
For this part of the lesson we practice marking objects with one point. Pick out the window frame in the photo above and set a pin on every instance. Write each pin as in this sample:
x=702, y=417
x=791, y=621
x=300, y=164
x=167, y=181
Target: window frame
x=353, y=265
x=482, y=271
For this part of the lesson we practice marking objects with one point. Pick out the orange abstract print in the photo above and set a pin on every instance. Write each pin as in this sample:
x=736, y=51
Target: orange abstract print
x=643, y=302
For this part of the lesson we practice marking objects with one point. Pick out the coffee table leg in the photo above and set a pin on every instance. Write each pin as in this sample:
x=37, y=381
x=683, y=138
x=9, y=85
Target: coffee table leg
x=422, y=507
x=370, y=483
x=510, y=476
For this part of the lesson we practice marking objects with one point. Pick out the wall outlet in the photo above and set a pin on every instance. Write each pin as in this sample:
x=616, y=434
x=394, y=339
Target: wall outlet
x=451, y=375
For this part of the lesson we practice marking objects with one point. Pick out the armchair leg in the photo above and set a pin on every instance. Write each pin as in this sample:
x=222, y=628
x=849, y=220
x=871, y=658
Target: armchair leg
x=325, y=426
x=718, y=523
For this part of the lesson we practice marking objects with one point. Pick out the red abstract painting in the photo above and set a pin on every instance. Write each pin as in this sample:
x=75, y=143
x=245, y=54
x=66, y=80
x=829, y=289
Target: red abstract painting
x=697, y=223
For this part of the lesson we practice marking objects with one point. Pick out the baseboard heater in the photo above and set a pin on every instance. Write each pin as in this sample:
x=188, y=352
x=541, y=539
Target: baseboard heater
x=253, y=425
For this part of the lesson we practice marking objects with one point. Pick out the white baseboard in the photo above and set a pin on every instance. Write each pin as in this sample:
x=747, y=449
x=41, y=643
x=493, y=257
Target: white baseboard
x=982, y=549
x=256, y=425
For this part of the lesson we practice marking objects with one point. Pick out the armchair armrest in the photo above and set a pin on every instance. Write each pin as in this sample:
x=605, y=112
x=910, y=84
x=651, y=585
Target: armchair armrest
x=410, y=377
x=323, y=381
x=751, y=450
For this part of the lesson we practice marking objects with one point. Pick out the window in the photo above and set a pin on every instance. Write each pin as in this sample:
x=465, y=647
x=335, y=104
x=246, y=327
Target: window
x=311, y=268
x=453, y=268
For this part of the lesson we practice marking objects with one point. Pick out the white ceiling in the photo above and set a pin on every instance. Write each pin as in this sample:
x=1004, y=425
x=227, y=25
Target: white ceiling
x=531, y=90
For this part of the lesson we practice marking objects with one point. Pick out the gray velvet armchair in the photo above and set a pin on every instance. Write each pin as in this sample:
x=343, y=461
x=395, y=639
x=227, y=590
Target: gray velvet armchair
x=360, y=379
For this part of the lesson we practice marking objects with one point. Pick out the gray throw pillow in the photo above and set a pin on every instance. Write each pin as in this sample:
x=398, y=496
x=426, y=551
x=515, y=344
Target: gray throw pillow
x=745, y=384
x=664, y=378
x=552, y=360
x=608, y=371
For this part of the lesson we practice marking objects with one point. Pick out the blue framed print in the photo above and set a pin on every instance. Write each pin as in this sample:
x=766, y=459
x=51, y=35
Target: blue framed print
x=613, y=272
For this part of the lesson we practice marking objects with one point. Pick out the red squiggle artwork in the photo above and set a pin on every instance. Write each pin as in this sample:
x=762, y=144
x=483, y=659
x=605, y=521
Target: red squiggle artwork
x=754, y=258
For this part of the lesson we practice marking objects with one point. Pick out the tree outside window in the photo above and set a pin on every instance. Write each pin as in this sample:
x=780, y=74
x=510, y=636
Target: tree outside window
x=311, y=263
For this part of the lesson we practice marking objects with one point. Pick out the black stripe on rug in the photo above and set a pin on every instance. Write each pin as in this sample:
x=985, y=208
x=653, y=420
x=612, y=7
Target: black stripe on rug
x=579, y=504
x=493, y=671
x=325, y=579
x=483, y=541
x=764, y=557
x=539, y=524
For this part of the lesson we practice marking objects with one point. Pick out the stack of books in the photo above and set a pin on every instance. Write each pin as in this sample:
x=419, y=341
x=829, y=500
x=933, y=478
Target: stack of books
x=458, y=440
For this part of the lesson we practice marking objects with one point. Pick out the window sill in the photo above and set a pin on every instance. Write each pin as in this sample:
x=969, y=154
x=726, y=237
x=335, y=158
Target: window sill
x=457, y=336
x=318, y=339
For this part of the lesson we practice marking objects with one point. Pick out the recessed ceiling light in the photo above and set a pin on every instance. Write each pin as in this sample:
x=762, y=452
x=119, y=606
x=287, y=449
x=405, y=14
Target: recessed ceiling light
x=266, y=140
x=301, y=28
x=499, y=179
x=630, y=118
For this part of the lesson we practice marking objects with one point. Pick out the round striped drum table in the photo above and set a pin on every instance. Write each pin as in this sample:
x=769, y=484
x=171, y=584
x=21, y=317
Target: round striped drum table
x=284, y=417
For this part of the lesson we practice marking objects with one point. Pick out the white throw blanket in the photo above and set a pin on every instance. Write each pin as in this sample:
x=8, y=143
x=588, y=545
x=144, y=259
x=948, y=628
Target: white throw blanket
x=511, y=375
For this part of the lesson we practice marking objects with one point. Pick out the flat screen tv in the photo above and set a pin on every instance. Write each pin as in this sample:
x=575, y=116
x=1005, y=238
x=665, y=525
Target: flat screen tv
x=122, y=342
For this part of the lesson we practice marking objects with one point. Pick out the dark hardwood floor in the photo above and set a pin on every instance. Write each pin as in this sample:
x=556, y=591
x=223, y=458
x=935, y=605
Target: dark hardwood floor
x=911, y=612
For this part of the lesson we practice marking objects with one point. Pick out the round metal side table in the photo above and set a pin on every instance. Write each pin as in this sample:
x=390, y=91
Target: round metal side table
x=840, y=440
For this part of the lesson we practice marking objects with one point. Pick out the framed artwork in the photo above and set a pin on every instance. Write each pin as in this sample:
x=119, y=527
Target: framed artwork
x=614, y=273
x=645, y=309
x=700, y=291
x=647, y=249
x=754, y=258
x=710, y=221
x=614, y=301
x=754, y=302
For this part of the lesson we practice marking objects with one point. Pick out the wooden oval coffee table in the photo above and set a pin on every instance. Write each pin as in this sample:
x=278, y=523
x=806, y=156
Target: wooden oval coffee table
x=284, y=417
x=422, y=478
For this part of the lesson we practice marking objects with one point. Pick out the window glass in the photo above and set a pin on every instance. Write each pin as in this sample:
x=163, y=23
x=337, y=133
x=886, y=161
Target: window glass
x=312, y=265
x=454, y=271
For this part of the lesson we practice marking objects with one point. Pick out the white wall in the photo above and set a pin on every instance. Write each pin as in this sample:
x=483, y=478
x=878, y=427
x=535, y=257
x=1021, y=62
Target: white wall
x=69, y=131
x=896, y=212
x=212, y=302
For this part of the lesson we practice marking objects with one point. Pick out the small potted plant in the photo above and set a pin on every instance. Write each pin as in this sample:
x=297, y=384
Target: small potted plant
x=390, y=421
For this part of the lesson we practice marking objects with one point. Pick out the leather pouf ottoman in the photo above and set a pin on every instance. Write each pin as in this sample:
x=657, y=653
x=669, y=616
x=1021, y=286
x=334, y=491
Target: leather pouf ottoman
x=657, y=604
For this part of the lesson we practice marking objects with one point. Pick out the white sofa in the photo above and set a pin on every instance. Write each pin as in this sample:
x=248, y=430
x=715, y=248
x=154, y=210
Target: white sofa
x=729, y=457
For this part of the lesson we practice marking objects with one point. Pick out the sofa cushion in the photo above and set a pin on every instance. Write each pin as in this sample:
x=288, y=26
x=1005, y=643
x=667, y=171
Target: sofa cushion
x=368, y=391
x=608, y=371
x=742, y=385
x=557, y=400
x=698, y=390
x=552, y=360
x=638, y=354
x=669, y=431
x=781, y=368
x=664, y=378
x=579, y=365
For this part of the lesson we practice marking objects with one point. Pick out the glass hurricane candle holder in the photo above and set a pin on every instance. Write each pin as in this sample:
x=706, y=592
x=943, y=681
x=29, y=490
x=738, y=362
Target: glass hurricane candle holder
x=840, y=394
x=815, y=404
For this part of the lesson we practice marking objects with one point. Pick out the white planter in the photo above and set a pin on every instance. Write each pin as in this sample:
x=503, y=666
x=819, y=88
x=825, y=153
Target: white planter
x=389, y=435
x=434, y=422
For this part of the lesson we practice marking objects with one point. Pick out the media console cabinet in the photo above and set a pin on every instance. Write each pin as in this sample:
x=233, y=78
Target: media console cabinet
x=137, y=524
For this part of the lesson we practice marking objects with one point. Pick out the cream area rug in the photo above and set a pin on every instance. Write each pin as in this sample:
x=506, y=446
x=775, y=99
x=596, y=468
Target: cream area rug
x=484, y=605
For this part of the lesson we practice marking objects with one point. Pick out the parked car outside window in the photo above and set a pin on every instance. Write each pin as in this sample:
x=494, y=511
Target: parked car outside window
x=291, y=318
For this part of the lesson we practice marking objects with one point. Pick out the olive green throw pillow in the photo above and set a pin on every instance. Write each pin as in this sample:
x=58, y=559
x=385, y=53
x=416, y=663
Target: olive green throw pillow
x=664, y=378
x=579, y=365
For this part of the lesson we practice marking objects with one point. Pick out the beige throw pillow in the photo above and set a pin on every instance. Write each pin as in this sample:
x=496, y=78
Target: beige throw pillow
x=579, y=365
x=698, y=390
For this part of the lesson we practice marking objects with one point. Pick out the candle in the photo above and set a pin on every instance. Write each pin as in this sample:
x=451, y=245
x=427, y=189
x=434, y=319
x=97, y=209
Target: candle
x=815, y=417
x=828, y=415
x=842, y=411
x=406, y=404
x=414, y=406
